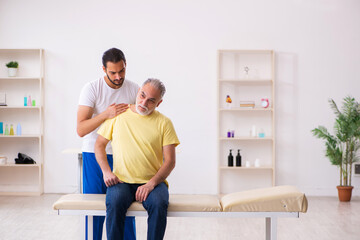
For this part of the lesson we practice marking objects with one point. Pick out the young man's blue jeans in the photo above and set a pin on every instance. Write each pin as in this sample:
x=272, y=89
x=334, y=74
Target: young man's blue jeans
x=119, y=198
x=93, y=182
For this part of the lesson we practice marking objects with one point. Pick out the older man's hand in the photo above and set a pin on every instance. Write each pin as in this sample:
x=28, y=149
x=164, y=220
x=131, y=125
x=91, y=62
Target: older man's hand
x=143, y=192
x=111, y=179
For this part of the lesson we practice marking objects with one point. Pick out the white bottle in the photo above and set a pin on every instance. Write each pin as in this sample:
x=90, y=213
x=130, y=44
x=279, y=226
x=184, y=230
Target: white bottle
x=253, y=131
x=257, y=162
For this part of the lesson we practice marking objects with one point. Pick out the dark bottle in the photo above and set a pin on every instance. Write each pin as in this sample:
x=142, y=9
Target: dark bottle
x=238, y=159
x=230, y=159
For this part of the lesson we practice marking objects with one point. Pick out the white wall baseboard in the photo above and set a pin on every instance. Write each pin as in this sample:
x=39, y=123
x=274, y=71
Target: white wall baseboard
x=316, y=191
x=61, y=189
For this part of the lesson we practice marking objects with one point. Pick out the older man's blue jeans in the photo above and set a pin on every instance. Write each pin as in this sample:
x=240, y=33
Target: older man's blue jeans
x=119, y=198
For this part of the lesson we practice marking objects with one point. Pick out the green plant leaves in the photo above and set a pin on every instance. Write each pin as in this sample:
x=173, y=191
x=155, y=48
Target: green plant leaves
x=342, y=147
x=12, y=64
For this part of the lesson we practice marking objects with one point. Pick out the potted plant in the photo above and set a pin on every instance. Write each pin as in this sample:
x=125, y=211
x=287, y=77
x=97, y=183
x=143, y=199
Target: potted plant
x=12, y=68
x=343, y=146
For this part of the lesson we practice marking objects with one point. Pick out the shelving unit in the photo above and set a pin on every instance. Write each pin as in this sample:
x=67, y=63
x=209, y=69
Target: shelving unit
x=252, y=85
x=22, y=179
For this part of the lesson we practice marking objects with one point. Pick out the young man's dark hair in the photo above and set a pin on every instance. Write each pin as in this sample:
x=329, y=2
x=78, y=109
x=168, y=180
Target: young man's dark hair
x=113, y=55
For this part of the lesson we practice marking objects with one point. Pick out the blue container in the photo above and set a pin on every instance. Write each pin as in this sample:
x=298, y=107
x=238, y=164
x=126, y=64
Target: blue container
x=18, y=129
x=1, y=128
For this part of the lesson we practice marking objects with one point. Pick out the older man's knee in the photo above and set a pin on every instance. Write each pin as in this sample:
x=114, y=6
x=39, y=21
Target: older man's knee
x=157, y=204
x=116, y=199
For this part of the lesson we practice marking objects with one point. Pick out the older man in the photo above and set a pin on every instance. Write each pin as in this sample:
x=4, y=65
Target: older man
x=143, y=142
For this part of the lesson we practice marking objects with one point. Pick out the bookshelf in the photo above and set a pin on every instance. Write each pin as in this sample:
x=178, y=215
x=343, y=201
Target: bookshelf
x=246, y=75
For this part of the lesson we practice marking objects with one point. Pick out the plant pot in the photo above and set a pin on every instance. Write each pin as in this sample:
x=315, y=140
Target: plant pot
x=344, y=193
x=12, y=72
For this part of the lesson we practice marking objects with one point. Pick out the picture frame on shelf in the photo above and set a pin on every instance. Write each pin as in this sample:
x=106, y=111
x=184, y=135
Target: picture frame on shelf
x=3, y=99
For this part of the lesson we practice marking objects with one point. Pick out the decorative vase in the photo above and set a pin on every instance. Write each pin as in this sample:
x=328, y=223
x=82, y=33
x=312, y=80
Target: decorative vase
x=12, y=72
x=344, y=193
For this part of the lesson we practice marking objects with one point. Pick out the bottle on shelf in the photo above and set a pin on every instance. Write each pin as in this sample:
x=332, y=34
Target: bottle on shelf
x=6, y=129
x=11, y=129
x=29, y=103
x=25, y=101
x=253, y=131
x=230, y=159
x=228, y=134
x=238, y=159
x=261, y=133
x=257, y=162
x=228, y=101
x=18, y=129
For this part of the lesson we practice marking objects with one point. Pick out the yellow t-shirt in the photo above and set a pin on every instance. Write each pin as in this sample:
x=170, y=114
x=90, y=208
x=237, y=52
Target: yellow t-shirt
x=137, y=143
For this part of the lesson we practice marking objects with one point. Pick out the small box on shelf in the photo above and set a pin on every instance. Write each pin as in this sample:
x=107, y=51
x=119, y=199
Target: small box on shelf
x=247, y=104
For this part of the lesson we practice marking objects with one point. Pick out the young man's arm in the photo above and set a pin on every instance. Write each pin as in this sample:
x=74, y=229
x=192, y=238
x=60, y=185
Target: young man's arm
x=86, y=124
x=164, y=171
x=110, y=178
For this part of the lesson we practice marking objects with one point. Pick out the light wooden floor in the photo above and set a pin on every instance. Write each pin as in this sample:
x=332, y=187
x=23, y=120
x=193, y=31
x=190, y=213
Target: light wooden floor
x=327, y=219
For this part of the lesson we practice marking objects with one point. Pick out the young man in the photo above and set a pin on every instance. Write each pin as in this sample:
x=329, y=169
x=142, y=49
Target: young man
x=103, y=99
x=143, y=142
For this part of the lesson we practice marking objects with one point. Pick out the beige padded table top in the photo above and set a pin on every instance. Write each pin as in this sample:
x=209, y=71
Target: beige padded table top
x=177, y=203
x=274, y=199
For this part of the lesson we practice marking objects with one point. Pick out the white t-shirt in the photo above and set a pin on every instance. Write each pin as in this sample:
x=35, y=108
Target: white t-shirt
x=98, y=95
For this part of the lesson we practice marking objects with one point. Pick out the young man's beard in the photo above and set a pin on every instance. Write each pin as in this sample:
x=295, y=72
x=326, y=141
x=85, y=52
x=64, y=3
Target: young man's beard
x=116, y=84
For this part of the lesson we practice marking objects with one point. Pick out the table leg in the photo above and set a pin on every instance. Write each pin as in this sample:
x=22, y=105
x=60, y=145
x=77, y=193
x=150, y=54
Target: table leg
x=80, y=180
x=270, y=228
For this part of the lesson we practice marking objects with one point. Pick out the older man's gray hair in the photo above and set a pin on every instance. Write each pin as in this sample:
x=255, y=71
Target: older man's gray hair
x=156, y=83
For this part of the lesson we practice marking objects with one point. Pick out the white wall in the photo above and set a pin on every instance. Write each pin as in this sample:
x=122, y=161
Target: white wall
x=317, y=57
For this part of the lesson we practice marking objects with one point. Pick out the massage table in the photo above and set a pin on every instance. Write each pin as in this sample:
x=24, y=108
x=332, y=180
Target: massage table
x=269, y=203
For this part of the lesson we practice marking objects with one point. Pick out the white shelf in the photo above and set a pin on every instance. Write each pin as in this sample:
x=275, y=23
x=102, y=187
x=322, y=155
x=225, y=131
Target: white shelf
x=246, y=139
x=246, y=51
x=245, y=168
x=20, y=107
x=19, y=78
x=246, y=109
x=248, y=81
x=21, y=136
x=22, y=193
x=20, y=49
x=19, y=165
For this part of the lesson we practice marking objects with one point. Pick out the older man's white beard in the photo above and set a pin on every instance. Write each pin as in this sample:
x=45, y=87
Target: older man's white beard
x=140, y=112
